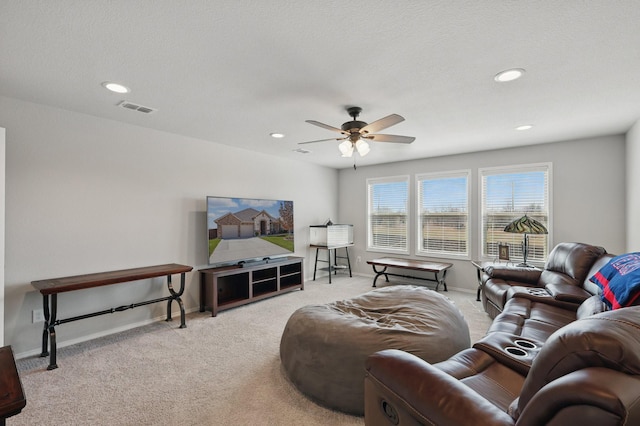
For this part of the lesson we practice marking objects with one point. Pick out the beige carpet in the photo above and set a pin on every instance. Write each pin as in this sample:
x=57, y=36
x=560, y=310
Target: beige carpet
x=218, y=371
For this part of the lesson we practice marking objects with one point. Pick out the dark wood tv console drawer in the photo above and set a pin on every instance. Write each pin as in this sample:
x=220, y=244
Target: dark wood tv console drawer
x=229, y=286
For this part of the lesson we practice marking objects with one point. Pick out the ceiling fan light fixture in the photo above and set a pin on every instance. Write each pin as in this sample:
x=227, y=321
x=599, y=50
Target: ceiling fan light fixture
x=356, y=134
x=346, y=148
x=362, y=147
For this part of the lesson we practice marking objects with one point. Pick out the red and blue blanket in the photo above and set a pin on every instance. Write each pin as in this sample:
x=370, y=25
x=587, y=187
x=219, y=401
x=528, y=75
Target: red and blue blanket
x=620, y=281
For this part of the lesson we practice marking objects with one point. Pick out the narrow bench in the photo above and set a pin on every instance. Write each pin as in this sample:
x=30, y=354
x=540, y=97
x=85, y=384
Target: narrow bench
x=50, y=288
x=437, y=268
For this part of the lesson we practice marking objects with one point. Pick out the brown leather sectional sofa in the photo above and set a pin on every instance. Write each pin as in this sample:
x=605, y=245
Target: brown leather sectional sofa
x=553, y=355
x=563, y=282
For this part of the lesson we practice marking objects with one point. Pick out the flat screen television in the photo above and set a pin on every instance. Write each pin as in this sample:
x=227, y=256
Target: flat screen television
x=248, y=229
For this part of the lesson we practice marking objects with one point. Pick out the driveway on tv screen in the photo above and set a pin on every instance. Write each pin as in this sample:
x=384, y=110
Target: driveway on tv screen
x=245, y=248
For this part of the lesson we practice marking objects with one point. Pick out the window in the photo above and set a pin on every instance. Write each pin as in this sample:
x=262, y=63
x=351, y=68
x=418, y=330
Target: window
x=508, y=194
x=387, y=209
x=443, y=214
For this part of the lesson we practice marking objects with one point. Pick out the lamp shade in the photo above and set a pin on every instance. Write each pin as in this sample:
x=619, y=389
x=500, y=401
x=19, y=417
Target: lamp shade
x=526, y=225
x=362, y=147
x=346, y=148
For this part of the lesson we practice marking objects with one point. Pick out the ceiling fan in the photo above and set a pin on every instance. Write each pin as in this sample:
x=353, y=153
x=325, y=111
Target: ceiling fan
x=357, y=133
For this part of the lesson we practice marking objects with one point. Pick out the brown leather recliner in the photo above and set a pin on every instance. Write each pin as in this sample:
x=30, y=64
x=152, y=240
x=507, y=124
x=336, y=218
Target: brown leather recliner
x=564, y=274
x=586, y=373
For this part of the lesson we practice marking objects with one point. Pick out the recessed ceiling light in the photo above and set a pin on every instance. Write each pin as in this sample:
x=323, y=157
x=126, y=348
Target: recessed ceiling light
x=115, y=87
x=277, y=135
x=524, y=127
x=509, y=75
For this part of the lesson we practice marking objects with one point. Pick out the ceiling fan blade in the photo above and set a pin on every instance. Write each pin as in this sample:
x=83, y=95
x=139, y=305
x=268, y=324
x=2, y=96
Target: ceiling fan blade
x=324, y=126
x=391, y=138
x=383, y=123
x=322, y=140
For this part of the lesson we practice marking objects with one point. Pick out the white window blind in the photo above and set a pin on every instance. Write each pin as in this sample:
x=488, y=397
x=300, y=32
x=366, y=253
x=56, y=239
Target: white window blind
x=387, y=201
x=508, y=194
x=443, y=214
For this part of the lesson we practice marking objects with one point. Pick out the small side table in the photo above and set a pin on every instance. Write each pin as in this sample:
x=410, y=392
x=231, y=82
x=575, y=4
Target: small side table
x=333, y=267
x=480, y=267
x=13, y=399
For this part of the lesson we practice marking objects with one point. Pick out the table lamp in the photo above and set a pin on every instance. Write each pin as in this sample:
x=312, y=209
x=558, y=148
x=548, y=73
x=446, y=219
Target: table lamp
x=525, y=225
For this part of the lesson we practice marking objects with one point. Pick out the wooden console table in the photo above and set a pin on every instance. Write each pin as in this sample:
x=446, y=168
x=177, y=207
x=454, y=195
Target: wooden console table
x=438, y=269
x=51, y=287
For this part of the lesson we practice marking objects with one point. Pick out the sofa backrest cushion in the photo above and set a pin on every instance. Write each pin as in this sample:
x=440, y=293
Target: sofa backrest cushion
x=610, y=340
x=569, y=263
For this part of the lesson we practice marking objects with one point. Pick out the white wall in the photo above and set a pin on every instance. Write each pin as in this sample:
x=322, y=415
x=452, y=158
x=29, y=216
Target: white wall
x=633, y=188
x=2, y=248
x=588, y=195
x=86, y=195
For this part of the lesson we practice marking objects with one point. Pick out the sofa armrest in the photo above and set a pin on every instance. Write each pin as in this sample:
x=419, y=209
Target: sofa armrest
x=401, y=385
x=568, y=293
x=528, y=276
x=588, y=396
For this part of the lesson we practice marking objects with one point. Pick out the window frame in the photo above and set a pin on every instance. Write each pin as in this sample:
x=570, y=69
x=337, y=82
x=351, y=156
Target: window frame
x=419, y=178
x=512, y=169
x=383, y=180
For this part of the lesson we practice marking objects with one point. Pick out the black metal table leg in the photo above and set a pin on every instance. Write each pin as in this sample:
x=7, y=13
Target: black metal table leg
x=176, y=296
x=334, y=252
x=378, y=273
x=52, y=333
x=348, y=261
x=45, y=331
x=441, y=280
x=315, y=266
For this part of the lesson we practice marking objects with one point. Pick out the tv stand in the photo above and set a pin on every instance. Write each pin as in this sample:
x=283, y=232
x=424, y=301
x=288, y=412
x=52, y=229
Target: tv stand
x=227, y=287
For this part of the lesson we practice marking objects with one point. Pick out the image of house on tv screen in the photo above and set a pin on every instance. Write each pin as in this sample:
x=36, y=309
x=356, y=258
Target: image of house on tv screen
x=242, y=229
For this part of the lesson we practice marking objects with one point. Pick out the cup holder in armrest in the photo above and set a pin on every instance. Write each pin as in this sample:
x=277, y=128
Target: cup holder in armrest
x=513, y=351
x=537, y=292
x=517, y=352
x=525, y=344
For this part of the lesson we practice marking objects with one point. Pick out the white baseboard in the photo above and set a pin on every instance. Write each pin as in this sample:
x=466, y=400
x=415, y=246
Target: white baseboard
x=65, y=343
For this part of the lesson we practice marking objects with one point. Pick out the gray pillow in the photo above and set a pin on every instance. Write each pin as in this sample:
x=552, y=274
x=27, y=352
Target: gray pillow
x=591, y=306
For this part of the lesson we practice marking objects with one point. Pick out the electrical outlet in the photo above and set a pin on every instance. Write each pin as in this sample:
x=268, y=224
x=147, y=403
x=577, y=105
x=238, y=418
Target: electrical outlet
x=37, y=315
x=358, y=259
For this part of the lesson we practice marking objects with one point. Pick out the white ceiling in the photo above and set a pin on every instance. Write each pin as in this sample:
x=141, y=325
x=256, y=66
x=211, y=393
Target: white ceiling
x=233, y=71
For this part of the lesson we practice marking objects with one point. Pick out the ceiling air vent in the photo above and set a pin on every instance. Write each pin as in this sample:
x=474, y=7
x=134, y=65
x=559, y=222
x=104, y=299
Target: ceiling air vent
x=136, y=107
x=301, y=151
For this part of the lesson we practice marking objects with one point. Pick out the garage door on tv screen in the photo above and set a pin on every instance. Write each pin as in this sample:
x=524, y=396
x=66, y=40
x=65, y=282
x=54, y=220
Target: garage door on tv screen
x=245, y=229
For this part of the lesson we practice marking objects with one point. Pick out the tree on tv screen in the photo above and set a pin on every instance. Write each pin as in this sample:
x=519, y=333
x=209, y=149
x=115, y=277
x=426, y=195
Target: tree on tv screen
x=286, y=215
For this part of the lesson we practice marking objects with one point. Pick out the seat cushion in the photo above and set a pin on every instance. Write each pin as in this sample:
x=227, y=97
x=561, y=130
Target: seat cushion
x=495, y=290
x=481, y=372
x=531, y=319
